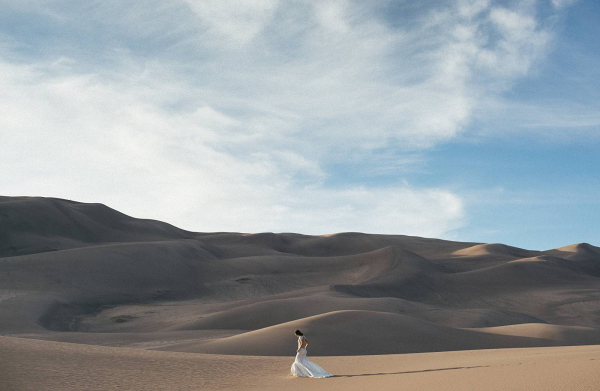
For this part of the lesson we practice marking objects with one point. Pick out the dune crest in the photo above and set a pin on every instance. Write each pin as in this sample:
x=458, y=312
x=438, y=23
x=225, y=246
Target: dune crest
x=495, y=249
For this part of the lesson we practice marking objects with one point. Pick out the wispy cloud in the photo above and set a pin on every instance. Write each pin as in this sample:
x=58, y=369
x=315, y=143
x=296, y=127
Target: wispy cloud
x=84, y=138
x=221, y=115
x=563, y=3
x=238, y=23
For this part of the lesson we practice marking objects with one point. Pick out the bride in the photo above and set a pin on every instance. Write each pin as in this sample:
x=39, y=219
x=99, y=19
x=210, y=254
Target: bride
x=302, y=367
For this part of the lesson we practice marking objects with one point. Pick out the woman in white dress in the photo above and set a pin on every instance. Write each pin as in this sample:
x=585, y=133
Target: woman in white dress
x=302, y=367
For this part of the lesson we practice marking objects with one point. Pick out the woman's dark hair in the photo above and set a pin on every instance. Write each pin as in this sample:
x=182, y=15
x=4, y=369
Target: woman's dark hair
x=298, y=332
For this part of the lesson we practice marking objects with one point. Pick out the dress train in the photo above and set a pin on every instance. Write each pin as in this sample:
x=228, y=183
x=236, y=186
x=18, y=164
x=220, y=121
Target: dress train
x=303, y=367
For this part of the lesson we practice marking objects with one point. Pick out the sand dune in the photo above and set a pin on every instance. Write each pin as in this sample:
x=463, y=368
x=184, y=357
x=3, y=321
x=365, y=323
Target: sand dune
x=582, y=256
x=360, y=333
x=259, y=314
x=578, y=249
x=32, y=225
x=496, y=250
x=74, y=272
x=565, y=335
x=525, y=274
x=65, y=367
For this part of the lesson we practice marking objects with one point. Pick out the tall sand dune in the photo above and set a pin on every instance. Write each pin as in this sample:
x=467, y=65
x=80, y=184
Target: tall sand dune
x=80, y=272
x=30, y=225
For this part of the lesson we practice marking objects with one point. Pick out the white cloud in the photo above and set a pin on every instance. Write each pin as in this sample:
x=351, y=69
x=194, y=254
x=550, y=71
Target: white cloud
x=84, y=138
x=471, y=8
x=331, y=15
x=556, y=121
x=347, y=80
x=230, y=125
x=563, y=3
x=237, y=21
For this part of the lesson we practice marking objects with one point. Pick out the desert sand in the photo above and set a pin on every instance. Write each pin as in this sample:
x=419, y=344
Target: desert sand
x=91, y=298
x=44, y=365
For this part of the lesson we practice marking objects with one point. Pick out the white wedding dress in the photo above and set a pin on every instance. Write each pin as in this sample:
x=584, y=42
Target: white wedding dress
x=303, y=367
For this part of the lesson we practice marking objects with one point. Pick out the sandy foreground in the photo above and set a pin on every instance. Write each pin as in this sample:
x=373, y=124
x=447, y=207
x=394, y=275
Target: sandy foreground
x=27, y=364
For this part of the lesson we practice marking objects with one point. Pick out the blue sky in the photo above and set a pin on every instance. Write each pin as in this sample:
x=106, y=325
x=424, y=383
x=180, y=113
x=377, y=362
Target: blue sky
x=471, y=120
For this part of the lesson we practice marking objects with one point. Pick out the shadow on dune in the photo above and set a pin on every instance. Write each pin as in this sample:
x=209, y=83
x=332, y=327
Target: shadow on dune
x=408, y=372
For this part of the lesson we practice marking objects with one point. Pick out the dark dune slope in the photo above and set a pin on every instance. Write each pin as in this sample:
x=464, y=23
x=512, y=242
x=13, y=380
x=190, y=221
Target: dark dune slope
x=30, y=225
